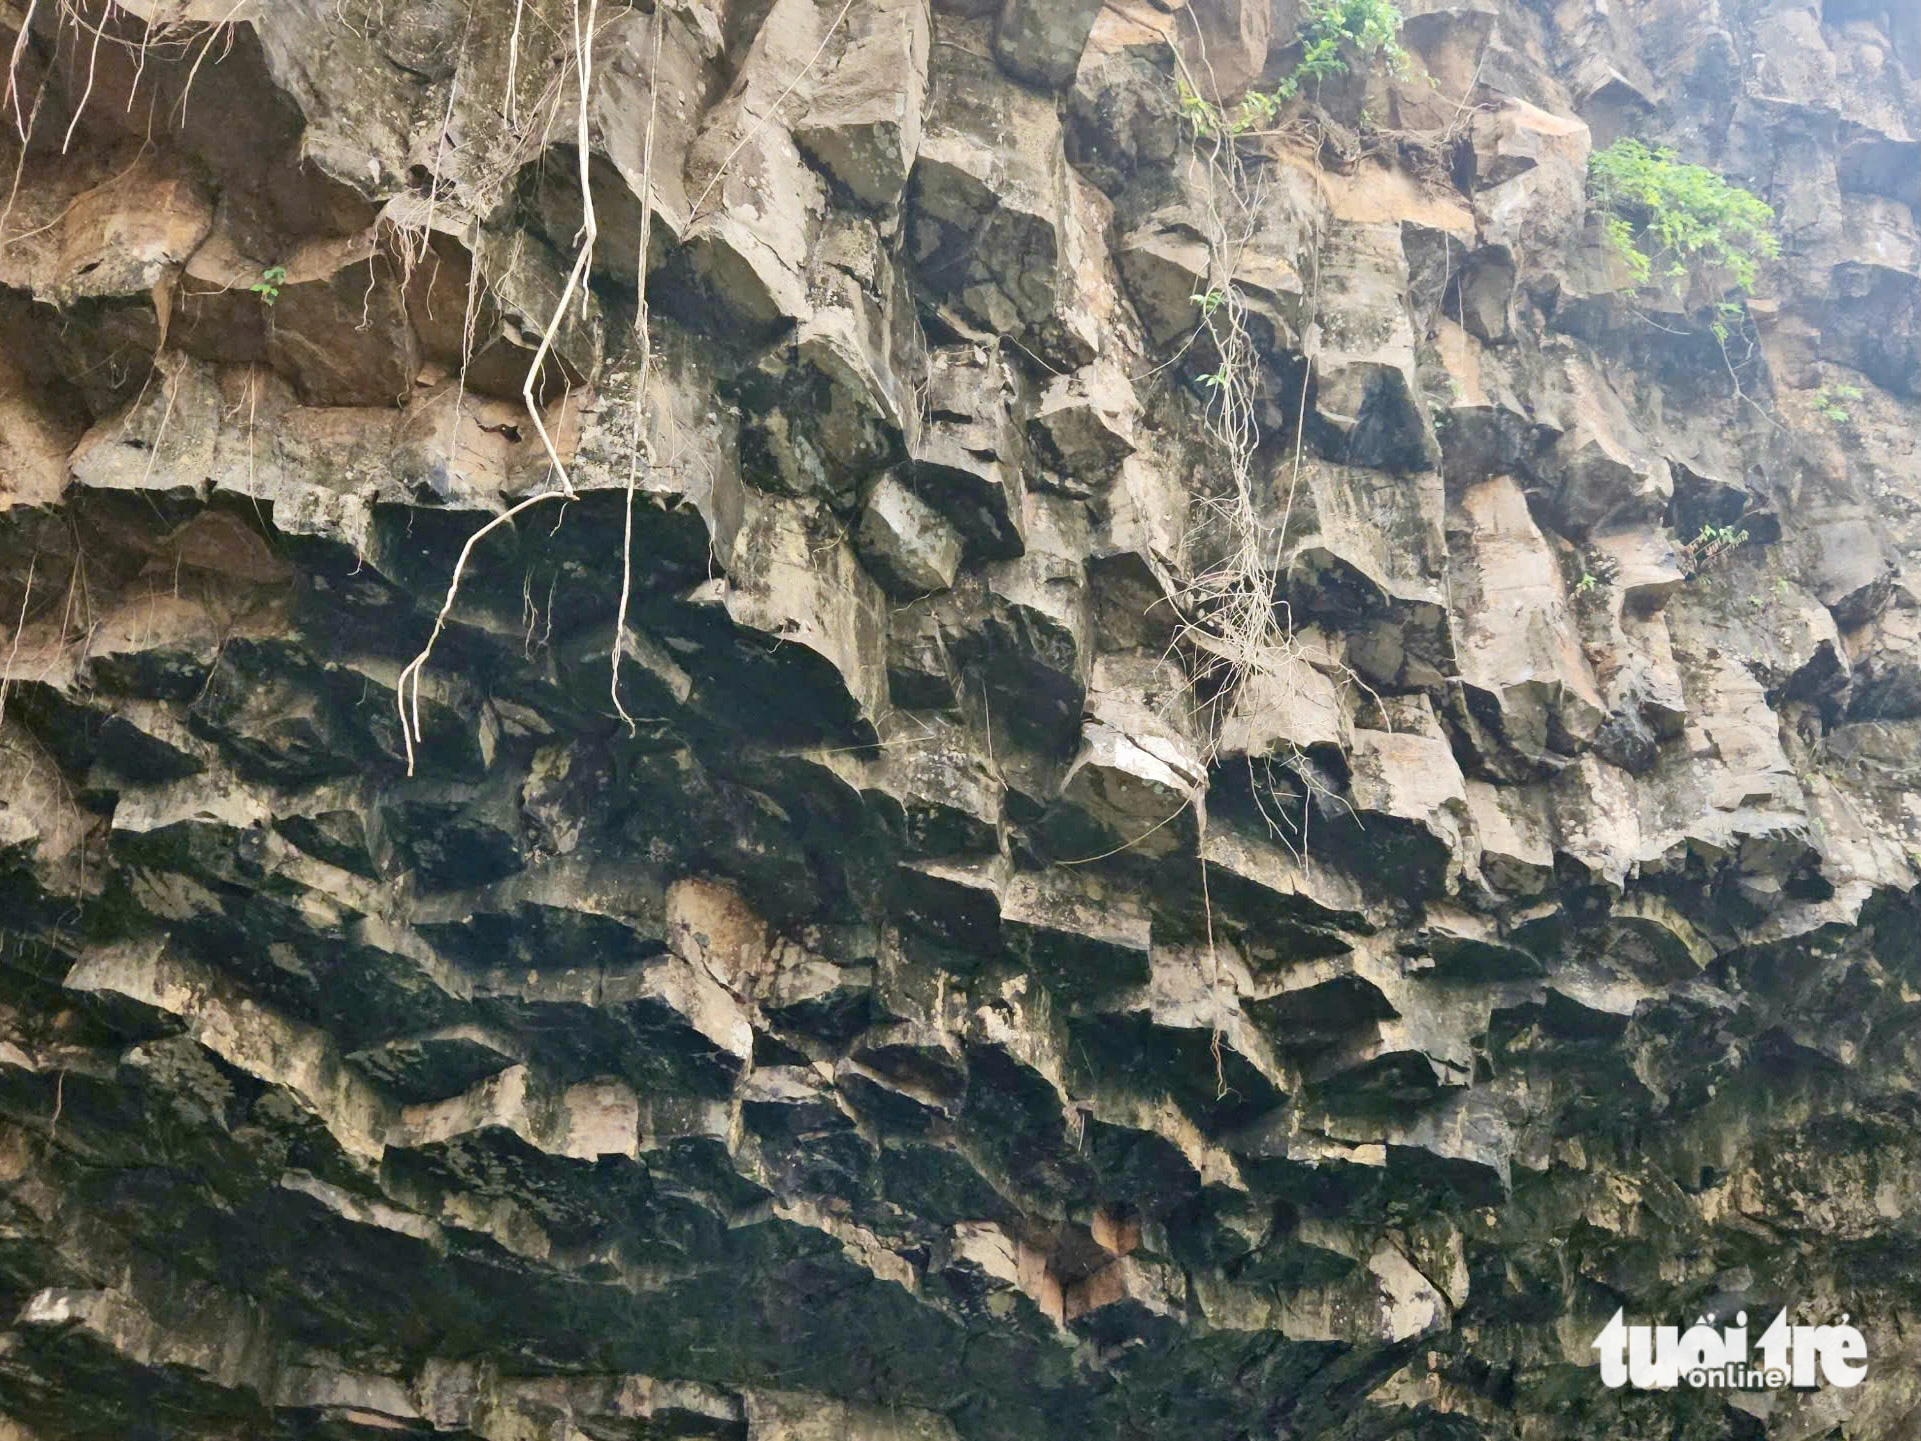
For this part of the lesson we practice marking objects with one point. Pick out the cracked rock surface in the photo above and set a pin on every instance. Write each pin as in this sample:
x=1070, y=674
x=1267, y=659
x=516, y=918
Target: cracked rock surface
x=917, y=1000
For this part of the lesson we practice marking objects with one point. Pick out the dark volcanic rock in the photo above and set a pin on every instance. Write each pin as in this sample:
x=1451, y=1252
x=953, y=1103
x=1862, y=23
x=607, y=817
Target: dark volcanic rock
x=1009, y=771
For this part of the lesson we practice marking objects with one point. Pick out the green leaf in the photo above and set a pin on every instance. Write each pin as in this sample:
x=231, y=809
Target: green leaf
x=1693, y=220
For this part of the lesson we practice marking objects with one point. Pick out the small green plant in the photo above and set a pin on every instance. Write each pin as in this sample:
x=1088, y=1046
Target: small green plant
x=1333, y=33
x=1203, y=114
x=1829, y=402
x=1682, y=219
x=1331, y=30
x=1713, y=541
x=1598, y=568
x=1209, y=301
x=267, y=287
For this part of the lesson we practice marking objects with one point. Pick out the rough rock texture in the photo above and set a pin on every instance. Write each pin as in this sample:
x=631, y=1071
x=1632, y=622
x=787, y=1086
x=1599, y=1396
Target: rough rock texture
x=926, y=1015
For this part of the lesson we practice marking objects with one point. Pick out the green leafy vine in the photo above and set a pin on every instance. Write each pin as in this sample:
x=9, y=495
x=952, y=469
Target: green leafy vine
x=1679, y=220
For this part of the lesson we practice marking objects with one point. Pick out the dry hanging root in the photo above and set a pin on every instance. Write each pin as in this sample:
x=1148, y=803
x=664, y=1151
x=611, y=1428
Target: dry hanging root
x=407, y=693
x=1230, y=618
x=407, y=698
x=645, y=339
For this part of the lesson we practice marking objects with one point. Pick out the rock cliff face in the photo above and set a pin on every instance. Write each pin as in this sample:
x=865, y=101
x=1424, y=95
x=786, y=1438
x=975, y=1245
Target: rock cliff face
x=1069, y=778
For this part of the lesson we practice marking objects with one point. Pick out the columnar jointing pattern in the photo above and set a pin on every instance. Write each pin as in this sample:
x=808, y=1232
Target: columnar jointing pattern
x=956, y=1006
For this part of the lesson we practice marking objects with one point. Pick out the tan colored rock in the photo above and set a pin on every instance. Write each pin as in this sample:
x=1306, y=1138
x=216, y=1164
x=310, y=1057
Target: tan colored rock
x=1519, y=646
x=1136, y=536
x=1530, y=178
x=1387, y=1299
x=909, y=546
x=339, y=329
x=1083, y=424
x=1287, y=704
x=992, y=206
x=863, y=124
x=124, y=237
x=1646, y=569
x=711, y=925
x=756, y=203
x=824, y=605
x=1138, y=767
x=1413, y=786
x=937, y=781
x=1606, y=475
x=1122, y=1299
x=1366, y=391
x=787, y=1416
x=1511, y=826
x=1229, y=39
x=1076, y=930
x=967, y=458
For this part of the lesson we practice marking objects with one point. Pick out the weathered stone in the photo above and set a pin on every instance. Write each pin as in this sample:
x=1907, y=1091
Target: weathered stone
x=1138, y=768
x=1366, y=393
x=1166, y=264
x=920, y=673
x=1083, y=425
x=1137, y=530
x=1075, y=930
x=1030, y=641
x=944, y=988
x=757, y=204
x=1411, y=784
x=991, y=217
x=1606, y=476
x=939, y=785
x=1530, y=179
x=1042, y=42
x=1123, y=120
x=863, y=125
x=1286, y=705
x=909, y=546
x=810, y=616
x=340, y=329
x=829, y=406
x=439, y=1063
x=125, y=236
x=968, y=463
x=1527, y=671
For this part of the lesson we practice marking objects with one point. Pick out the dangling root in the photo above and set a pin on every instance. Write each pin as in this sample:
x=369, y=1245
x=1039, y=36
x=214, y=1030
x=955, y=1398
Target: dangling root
x=645, y=337
x=407, y=696
x=408, y=691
